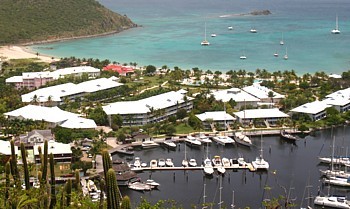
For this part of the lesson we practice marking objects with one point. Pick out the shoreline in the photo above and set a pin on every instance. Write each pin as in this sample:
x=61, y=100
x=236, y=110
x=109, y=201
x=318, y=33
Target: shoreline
x=22, y=50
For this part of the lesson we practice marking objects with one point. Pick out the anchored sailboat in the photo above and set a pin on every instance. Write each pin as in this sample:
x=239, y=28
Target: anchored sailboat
x=336, y=30
x=205, y=42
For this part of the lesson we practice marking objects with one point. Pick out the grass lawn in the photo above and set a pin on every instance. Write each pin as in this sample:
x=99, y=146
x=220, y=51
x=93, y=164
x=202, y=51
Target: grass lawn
x=183, y=129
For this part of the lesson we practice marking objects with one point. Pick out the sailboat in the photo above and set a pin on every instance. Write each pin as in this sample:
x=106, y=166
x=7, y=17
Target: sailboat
x=259, y=163
x=205, y=42
x=275, y=54
x=185, y=161
x=336, y=30
x=208, y=167
x=281, y=41
x=253, y=30
x=243, y=57
x=286, y=55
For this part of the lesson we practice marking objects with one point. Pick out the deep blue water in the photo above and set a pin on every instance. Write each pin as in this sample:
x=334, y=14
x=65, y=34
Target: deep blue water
x=171, y=33
x=291, y=166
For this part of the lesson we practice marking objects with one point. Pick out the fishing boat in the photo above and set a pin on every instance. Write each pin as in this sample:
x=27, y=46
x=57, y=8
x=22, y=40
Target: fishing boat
x=259, y=163
x=169, y=143
x=152, y=183
x=169, y=162
x=287, y=136
x=161, y=162
x=149, y=144
x=336, y=29
x=332, y=201
x=242, y=139
x=205, y=42
x=192, y=162
x=192, y=141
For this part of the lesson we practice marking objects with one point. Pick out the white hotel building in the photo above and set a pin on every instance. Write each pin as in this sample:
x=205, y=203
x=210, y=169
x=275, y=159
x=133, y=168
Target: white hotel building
x=144, y=111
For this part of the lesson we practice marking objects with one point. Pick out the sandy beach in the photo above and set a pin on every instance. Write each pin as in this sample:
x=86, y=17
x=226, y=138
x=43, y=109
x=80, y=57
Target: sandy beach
x=21, y=52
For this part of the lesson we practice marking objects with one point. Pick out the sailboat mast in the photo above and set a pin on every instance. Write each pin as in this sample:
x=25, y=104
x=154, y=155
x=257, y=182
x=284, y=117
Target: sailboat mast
x=233, y=199
x=220, y=192
x=205, y=31
x=204, y=195
x=336, y=22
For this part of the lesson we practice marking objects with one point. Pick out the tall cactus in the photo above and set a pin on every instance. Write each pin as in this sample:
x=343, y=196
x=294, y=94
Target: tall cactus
x=68, y=189
x=103, y=189
x=44, y=162
x=53, y=182
x=107, y=163
x=77, y=181
x=25, y=166
x=45, y=201
x=113, y=198
x=7, y=172
x=126, y=203
x=14, y=168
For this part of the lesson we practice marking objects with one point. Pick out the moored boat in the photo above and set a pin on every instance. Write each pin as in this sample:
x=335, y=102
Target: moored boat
x=208, y=167
x=332, y=201
x=152, y=183
x=161, y=162
x=242, y=139
x=192, y=141
x=192, y=162
x=125, y=151
x=169, y=162
x=139, y=186
x=149, y=144
x=153, y=163
x=223, y=140
x=169, y=143
x=287, y=136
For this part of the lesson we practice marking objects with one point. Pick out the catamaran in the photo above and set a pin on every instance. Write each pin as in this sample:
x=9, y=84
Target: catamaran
x=336, y=29
x=205, y=42
x=286, y=55
x=281, y=41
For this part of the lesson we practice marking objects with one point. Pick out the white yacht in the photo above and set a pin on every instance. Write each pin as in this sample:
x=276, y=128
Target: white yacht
x=336, y=29
x=169, y=144
x=217, y=163
x=192, y=162
x=203, y=138
x=161, y=162
x=213, y=35
x=152, y=183
x=337, y=181
x=223, y=140
x=208, y=167
x=253, y=30
x=149, y=144
x=230, y=27
x=336, y=160
x=243, y=57
x=192, y=141
x=226, y=162
x=275, y=54
x=332, y=201
x=169, y=162
x=337, y=173
x=137, y=162
x=242, y=139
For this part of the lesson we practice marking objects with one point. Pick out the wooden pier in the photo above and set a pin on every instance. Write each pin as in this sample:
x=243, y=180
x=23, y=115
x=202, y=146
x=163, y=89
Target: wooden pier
x=248, y=166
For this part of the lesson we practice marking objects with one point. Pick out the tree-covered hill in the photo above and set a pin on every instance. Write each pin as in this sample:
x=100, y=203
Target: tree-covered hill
x=23, y=21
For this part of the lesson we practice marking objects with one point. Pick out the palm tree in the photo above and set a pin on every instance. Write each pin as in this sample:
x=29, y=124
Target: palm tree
x=271, y=95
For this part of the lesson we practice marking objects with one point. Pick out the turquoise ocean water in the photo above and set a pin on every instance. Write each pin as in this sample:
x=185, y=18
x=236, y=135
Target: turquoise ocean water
x=171, y=33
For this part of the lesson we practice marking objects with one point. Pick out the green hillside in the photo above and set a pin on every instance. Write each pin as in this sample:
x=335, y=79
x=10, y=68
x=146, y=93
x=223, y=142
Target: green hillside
x=23, y=21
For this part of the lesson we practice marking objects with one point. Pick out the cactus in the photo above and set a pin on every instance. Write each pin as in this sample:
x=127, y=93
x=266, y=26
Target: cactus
x=53, y=182
x=107, y=163
x=113, y=196
x=14, y=168
x=102, y=188
x=41, y=158
x=77, y=181
x=126, y=203
x=7, y=172
x=46, y=201
x=44, y=162
x=68, y=189
x=25, y=166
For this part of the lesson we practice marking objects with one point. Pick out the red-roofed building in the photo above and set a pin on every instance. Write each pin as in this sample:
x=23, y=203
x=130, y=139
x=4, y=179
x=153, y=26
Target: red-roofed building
x=122, y=70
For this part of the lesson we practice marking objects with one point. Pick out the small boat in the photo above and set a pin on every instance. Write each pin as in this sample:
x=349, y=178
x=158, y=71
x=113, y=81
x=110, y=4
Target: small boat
x=337, y=181
x=275, y=54
x=184, y=163
x=208, y=167
x=137, y=162
x=253, y=30
x=143, y=165
x=286, y=55
x=203, y=138
x=289, y=137
x=217, y=163
x=192, y=141
x=213, y=35
x=226, y=162
x=149, y=144
x=153, y=164
x=170, y=144
x=152, y=183
x=336, y=173
x=336, y=160
x=336, y=30
x=161, y=162
x=205, y=42
x=223, y=140
x=169, y=162
x=125, y=151
x=332, y=201
x=242, y=139
x=139, y=186
x=230, y=27
x=192, y=162
x=242, y=57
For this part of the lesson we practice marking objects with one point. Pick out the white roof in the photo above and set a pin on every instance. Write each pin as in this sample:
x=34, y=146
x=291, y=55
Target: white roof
x=6, y=148
x=234, y=93
x=54, y=148
x=338, y=101
x=50, y=114
x=215, y=116
x=79, y=123
x=74, y=70
x=14, y=79
x=261, y=92
x=344, y=93
x=143, y=106
x=261, y=113
x=311, y=107
x=67, y=89
x=332, y=75
x=32, y=75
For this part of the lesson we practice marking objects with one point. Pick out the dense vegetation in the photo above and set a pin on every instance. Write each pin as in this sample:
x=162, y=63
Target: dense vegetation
x=25, y=21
